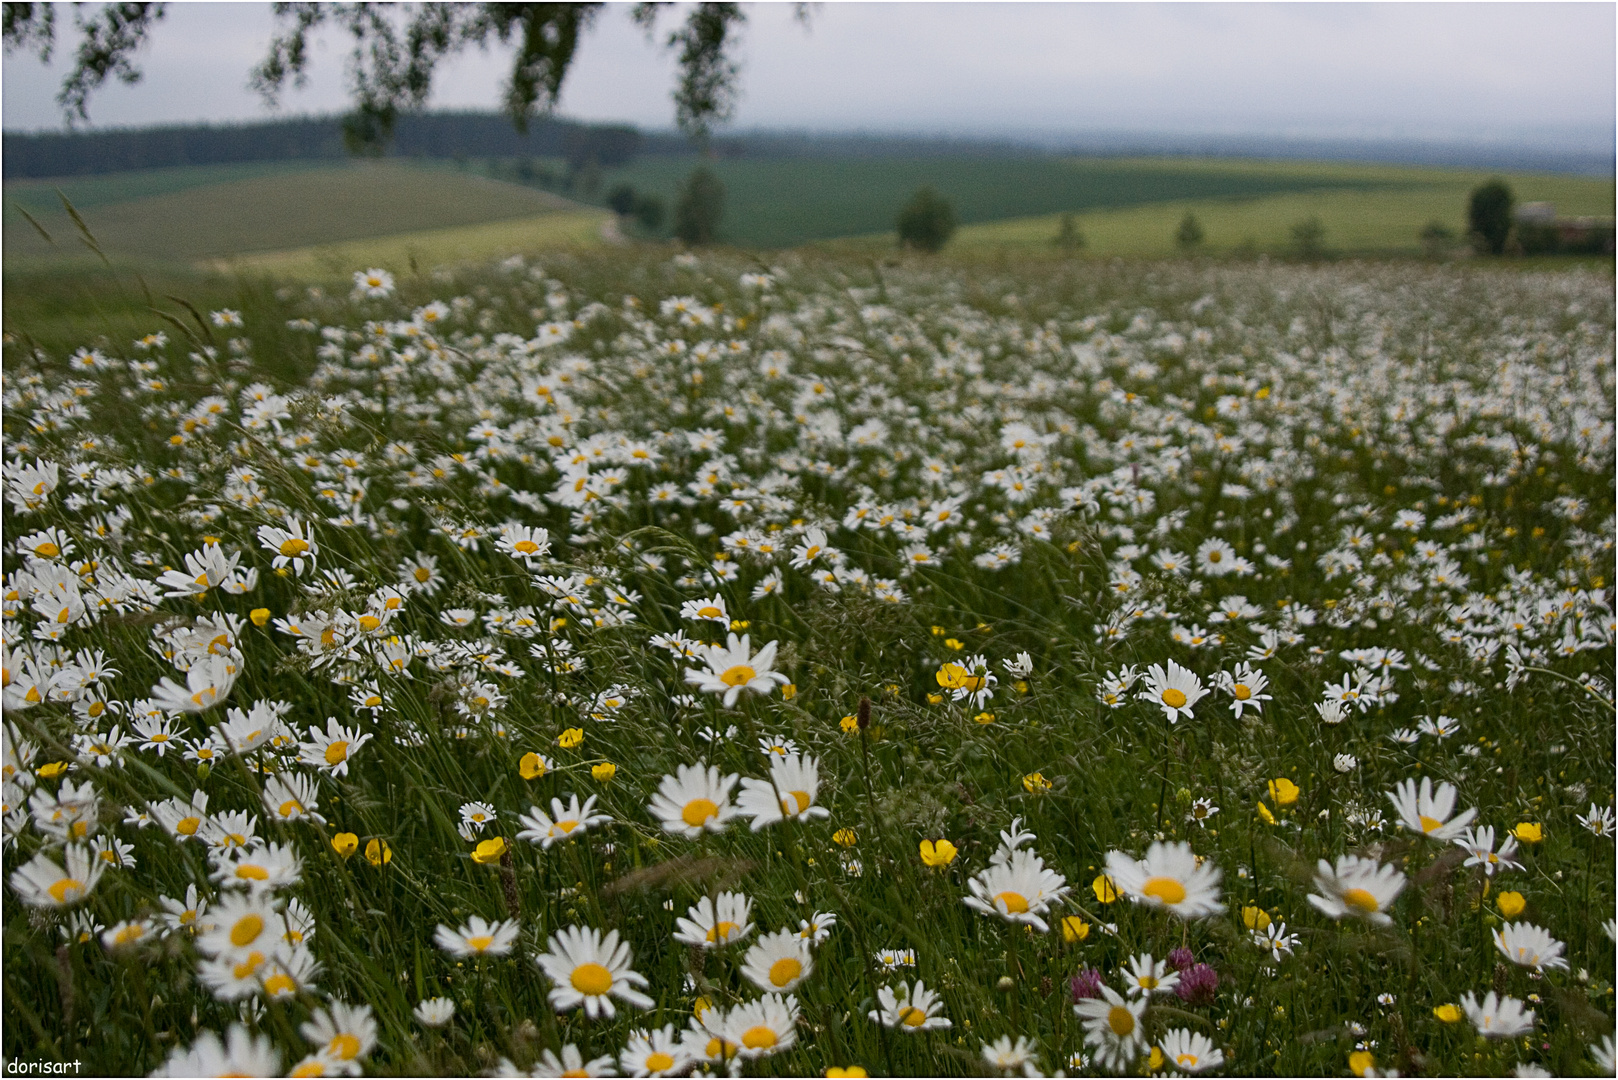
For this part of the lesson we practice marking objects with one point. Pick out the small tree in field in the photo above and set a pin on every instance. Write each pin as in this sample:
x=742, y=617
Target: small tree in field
x=1188, y=236
x=927, y=221
x=649, y=212
x=1488, y=216
x=699, y=208
x=1310, y=235
x=622, y=200
x=1068, y=238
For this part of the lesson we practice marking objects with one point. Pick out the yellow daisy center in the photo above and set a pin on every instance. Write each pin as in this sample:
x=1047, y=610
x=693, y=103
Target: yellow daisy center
x=343, y=1046
x=248, y=966
x=1121, y=1021
x=698, y=811
x=657, y=1061
x=801, y=798
x=1360, y=900
x=759, y=1038
x=1174, y=699
x=188, y=826
x=784, y=970
x=1430, y=824
x=1241, y=691
x=422, y=574
x=336, y=753
x=910, y=1016
x=1166, y=890
x=1015, y=903
x=480, y=942
x=591, y=979
x=47, y=550
x=252, y=872
x=1188, y=1061
x=246, y=930
x=722, y=932
x=294, y=547
x=740, y=675
x=280, y=983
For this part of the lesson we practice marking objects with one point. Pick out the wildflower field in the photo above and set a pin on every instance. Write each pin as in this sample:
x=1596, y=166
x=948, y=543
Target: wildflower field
x=646, y=666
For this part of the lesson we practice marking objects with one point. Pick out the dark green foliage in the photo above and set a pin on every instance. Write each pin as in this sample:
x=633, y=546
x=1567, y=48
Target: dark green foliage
x=1488, y=216
x=927, y=221
x=701, y=205
x=622, y=200
x=707, y=90
x=435, y=135
x=649, y=212
x=1189, y=235
x=1068, y=238
x=1310, y=235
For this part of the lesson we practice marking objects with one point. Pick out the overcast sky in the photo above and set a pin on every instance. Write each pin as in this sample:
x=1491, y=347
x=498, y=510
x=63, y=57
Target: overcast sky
x=1536, y=72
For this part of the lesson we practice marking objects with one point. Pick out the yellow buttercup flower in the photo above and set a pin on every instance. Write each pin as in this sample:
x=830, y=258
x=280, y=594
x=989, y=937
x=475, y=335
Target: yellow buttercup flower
x=939, y=853
x=952, y=676
x=532, y=766
x=604, y=772
x=1035, y=782
x=489, y=851
x=1448, y=1013
x=1529, y=832
x=954, y=643
x=845, y=837
x=1283, y=792
x=345, y=844
x=1359, y=1061
x=851, y=1071
x=789, y=691
x=1105, y=889
x=1510, y=904
x=1255, y=918
x=1074, y=929
x=850, y=725
x=52, y=770
x=984, y=718
x=1264, y=814
x=935, y=699
x=259, y=615
x=1155, y=1060
x=378, y=853
x=570, y=738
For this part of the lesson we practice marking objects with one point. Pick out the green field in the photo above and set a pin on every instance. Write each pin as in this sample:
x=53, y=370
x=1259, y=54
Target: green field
x=1380, y=220
x=298, y=218
x=786, y=202
x=1122, y=201
x=427, y=248
x=164, y=217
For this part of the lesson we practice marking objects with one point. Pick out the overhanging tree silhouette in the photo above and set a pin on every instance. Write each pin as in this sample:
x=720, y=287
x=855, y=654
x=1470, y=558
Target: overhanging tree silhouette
x=396, y=50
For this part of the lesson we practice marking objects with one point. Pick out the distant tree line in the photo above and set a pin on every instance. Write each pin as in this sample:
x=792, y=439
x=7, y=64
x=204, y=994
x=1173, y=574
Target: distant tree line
x=435, y=135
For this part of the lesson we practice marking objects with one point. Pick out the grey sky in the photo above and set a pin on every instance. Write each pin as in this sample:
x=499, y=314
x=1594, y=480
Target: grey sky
x=1536, y=72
